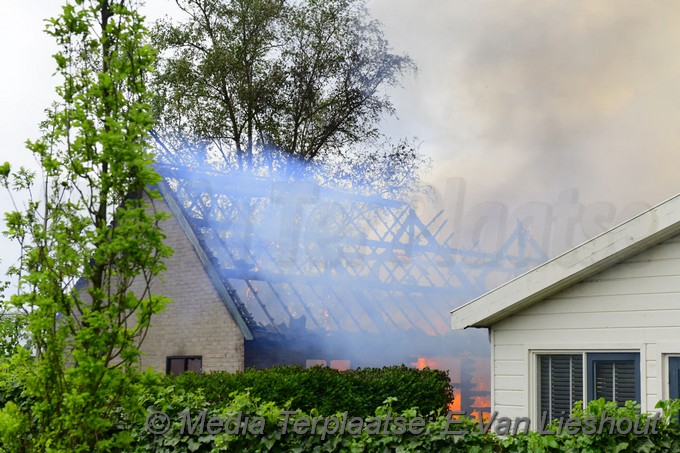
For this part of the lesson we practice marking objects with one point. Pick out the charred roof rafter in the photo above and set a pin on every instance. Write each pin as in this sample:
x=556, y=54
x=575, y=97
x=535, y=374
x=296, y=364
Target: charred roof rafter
x=329, y=260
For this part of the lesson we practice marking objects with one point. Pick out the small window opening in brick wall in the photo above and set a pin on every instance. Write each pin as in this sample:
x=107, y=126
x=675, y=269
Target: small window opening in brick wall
x=179, y=364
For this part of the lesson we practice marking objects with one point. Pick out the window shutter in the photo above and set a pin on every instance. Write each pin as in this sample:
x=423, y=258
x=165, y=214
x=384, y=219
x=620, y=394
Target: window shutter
x=561, y=384
x=614, y=377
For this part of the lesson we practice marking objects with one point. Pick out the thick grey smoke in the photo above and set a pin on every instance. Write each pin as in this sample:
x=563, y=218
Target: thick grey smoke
x=526, y=99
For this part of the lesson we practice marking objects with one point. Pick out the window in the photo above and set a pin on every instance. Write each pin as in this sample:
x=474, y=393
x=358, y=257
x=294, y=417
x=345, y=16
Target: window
x=561, y=383
x=674, y=377
x=179, y=364
x=614, y=377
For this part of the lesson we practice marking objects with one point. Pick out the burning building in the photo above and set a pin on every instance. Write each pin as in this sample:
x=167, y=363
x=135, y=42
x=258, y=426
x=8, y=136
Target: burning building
x=270, y=272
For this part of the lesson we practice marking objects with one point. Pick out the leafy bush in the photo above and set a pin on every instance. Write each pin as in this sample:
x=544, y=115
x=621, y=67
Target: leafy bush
x=172, y=402
x=14, y=428
x=437, y=433
x=610, y=439
x=273, y=437
x=327, y=390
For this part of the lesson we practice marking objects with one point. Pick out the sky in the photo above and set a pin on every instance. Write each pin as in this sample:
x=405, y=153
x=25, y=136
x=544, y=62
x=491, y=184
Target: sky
x=563, y=108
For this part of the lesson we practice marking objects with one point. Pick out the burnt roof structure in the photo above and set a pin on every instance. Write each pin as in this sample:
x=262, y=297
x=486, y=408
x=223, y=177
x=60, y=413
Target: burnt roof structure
x=305, y=265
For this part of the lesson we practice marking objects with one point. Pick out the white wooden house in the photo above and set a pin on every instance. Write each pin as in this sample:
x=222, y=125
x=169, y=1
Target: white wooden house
x=602, y=320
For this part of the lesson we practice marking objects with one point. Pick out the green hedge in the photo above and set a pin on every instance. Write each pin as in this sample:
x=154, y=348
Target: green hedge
x=327, y=390
x=436, y=433
x=178, y=402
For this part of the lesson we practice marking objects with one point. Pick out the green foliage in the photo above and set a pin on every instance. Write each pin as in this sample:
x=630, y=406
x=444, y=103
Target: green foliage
x=173, y=402
x=380, y=431
x=438, y=433
x=258, y=81
x=610, y=438
x=13, y=334
x=327, y=390
x=271, y=436
x=90, y=241
x=304, y=76
x=14, y=428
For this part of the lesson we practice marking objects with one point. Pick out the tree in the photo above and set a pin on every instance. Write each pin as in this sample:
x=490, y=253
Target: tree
x=92, y=221
x=246, y=79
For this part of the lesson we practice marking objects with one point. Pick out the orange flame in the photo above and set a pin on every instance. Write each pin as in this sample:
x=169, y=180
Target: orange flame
x=481, y=402
x=481, y=379
x=454, y=405
x=327, y=318
x=424, y=362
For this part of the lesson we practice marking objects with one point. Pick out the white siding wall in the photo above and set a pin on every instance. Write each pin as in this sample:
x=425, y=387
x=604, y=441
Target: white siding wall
x=633, y=306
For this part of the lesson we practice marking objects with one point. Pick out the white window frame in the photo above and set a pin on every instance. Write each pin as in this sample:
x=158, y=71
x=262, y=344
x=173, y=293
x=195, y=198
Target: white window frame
x=664, y=350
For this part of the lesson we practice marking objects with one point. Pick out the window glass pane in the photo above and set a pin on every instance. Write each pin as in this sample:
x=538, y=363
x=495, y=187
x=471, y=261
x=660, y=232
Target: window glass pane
x=176, y=366
x=560, y=384
x=674, y=377
x=194, y=364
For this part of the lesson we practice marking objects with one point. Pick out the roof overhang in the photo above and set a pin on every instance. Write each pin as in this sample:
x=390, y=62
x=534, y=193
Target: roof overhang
x=627, y=239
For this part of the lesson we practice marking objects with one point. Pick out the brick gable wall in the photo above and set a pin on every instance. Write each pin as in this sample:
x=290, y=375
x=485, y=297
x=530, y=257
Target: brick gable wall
x=196, y=323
